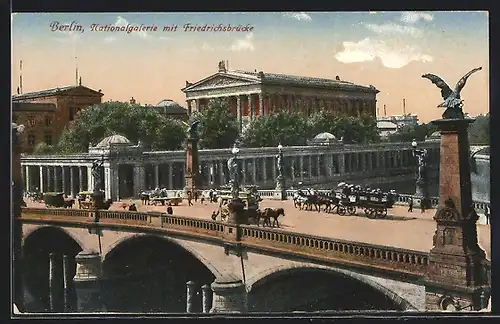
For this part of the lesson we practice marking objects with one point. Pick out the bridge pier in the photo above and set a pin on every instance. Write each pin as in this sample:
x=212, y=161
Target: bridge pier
x=229, y=296
x=87, y=282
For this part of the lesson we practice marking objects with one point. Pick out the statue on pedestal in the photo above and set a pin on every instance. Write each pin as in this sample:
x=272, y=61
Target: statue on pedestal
x=96, y=165
x=233, y=167
x=193, y=130
x=452, y=101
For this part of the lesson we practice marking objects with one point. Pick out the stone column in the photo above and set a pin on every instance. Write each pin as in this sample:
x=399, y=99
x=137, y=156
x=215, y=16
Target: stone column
x=156, y=167
x=197, y=105
x=261, y=104
x=254, y=171
x=189, y=108
x=107, y=182
x=87, y=282
x=369, y=161
x=80, y=178
x=64, y=177
x=301, y=167
x=90, y=179
x=309, y=170
x=221, y=173
x=49, y=179
x=363, y=161
x=72, y=181
x=251, y=106
x=382, y=160
x=57, y=180
x=274, y=167
x=341, y=165
x=27, y=186
x=264, y=168
x=170, y=175
x=329, y=165
x=229, y=296
x=239, y=112
x=66, y=284
x=139, y=182
x=318, y=164
x=206, y=298
x=54, y=282
x=190, y=294
x=23, y=179
x=244, y=171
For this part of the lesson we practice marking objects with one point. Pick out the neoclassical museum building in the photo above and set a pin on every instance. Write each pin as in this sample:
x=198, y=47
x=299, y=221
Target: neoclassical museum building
x=254, y=94
x=129, y=168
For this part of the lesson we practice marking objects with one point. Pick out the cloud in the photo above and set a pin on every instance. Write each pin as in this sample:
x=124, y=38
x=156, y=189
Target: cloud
x=412, y=17
x=207, y=48
x=165, y=38
x=297, y=15
x=243, y=44
x=109, y=39
x=394, y=29
x=122, y=22
x=392, y=56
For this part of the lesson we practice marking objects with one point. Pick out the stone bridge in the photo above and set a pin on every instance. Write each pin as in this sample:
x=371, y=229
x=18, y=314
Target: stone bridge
x=271, y=261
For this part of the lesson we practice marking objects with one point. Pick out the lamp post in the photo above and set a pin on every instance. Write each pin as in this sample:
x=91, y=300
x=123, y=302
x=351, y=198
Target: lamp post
x=280, y=191
x=236, y=205
x=421, y=185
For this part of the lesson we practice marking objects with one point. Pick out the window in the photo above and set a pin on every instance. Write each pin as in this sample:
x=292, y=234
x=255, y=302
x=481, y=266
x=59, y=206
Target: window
x=31, y=140
x=48, y=139
x=31, y=120
x=48, y=121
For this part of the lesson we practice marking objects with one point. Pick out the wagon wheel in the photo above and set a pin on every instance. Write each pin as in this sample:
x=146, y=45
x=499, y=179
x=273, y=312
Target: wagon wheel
x=371, y=213
x=341, y=210
x=382, y=212
x=351, y=210
x=367, y=211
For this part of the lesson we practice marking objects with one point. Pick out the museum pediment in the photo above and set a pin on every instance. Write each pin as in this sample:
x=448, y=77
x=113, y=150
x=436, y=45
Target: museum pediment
x=218, y=81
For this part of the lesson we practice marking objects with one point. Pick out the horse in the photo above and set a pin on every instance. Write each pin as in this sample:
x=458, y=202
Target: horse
x=144, y=196
x=269, y=213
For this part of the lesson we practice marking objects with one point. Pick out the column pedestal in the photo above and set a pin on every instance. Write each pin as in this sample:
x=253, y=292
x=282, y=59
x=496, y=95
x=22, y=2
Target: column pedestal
x=457, y=276
x=229, y=296
x=87, y=282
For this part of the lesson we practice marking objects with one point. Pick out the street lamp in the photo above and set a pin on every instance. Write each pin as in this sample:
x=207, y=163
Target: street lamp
x=234, y=172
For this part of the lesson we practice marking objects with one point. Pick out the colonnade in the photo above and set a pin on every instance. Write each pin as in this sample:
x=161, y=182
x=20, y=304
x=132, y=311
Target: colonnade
x=124, y=179
x=249, y=106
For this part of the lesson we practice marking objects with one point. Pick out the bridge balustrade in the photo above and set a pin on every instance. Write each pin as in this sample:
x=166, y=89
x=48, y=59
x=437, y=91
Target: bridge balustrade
x=58, y=212
x=207, y=227
x=125, y=216
x=338, y=250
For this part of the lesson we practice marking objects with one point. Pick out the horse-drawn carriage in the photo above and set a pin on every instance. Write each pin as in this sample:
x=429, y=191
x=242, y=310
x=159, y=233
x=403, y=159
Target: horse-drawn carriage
x=158, y=196
x=374, y=202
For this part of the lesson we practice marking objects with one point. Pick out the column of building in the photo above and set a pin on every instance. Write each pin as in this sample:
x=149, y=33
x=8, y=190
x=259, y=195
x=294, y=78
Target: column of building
x=139, y=180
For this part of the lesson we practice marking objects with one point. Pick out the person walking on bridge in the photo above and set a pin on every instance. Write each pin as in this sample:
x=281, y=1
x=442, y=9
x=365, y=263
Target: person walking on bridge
x=190, y=198
x=410, y=205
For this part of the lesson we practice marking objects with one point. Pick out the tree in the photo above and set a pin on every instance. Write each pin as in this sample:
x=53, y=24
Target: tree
x=479, y=130
x=135, y=122
x=44, y=149
x=283, y=127
x=218, y=127
x=409, y=132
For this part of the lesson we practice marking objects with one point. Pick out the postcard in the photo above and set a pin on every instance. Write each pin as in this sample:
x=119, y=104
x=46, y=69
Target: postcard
x=250, y=163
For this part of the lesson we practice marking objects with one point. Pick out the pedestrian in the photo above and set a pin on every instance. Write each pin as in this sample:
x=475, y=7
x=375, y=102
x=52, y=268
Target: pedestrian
x=211, y=195
x=132, y=208
x=170, y=211
x=487, y=214
x=196, y=194
x=410, y=205
x=422, y=206
x=189, y=198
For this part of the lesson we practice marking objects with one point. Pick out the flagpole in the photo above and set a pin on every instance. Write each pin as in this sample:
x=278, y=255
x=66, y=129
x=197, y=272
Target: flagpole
x=21, y=77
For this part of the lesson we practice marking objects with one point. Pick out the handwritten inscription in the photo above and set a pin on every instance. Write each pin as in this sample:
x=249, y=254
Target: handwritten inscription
x=74, y=26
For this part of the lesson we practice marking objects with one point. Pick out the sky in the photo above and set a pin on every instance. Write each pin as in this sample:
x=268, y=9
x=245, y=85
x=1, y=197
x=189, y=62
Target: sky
x=390, y=50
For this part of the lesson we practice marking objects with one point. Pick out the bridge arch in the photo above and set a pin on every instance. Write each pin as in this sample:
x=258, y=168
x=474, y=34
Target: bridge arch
x=37, y=230
x=296, y=271
x=148, y=273
x=108, y=250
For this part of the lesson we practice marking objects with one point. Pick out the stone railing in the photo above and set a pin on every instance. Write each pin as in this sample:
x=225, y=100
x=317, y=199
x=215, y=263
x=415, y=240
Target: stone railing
x=405, y=199
x=339, y=250
x=306, y=246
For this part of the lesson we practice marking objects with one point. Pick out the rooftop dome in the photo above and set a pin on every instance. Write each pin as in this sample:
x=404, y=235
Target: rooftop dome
x=436, y=134
x=113, y=139
x=325, y=136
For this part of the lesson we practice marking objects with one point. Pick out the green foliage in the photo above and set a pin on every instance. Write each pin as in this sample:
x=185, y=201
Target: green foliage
x=410, y=132
x=290, y=128
x=151, y=127
x=282, y=127
x=44, y=149
x=479, y=130
x=218, y=127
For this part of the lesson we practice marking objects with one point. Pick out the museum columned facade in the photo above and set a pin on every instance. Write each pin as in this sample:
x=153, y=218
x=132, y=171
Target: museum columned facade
x=128, y=168
x=253, y=94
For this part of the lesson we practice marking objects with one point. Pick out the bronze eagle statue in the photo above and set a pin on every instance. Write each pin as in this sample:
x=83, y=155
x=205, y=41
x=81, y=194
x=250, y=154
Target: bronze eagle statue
x=452, y=101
